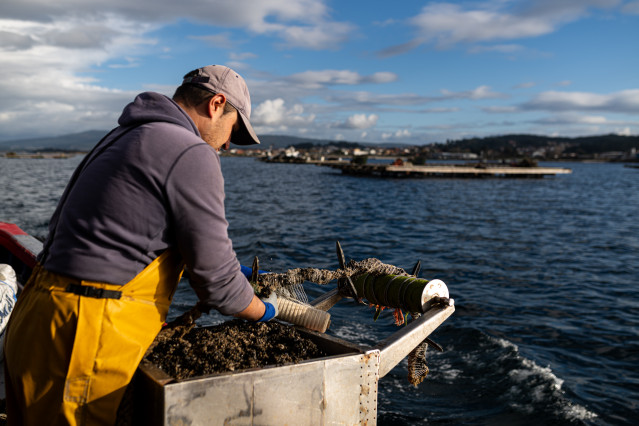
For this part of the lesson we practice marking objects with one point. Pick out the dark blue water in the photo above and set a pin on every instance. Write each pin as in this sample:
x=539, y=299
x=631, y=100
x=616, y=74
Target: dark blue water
x=544, y=275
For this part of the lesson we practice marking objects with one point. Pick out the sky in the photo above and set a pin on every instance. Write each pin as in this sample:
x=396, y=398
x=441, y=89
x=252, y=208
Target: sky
x=369, y=71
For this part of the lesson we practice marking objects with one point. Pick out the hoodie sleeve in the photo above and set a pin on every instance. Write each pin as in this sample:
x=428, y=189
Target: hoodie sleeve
x=195, y=191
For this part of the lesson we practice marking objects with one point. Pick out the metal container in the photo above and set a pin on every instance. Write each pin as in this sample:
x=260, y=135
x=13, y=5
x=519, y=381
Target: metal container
x=339, y=389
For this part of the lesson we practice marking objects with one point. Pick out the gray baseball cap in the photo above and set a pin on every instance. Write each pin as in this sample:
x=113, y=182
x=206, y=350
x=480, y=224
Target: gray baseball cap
x=221, y=79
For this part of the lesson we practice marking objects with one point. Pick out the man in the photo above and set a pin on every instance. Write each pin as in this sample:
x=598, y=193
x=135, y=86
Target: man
x=146, y=201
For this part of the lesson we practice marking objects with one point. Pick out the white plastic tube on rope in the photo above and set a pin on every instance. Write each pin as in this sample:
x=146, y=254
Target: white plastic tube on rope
x=300, y=314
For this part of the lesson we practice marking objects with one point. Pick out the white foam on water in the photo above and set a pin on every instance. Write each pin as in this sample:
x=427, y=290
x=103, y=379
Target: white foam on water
x=505, y=343
x=348, y=333
x=447, y=373
x=530, y=371
x=578, y=412
x=474, y=359
x=540, y=386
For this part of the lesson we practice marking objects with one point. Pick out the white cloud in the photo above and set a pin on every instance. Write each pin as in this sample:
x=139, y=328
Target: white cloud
x=380, y=77
x=109, y=29
x=319, y=78
x=80, y=51
x=500, y=109
x=273, y=112
x=575, y=124
x=591, y=119
x=400, y=134
x=362, y=99
x=499, y=48
x=237, y=66
x=60, y=43
x=448, y=24
x=51, y=69
x=386, y=23
x=631, y=8
x=80, y=36
x=321, y=36
x=11, y=41
x=298, y=22
x=359, y=121
x=481, y=92
x=127, y=62
x=571, y=119
x=223, y=40
x=525, y=85
x=440, y=110
x=625, y=101
x=269, y=112
x=242, y=56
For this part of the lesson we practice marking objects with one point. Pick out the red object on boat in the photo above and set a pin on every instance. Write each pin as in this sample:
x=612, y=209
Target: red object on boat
x=18, y=243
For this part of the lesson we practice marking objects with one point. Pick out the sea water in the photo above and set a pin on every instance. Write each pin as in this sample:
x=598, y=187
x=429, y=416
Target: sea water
x=543, y=271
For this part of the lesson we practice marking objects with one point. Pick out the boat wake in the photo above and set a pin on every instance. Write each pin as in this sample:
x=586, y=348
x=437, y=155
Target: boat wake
x=495, y=381
x=533, y=387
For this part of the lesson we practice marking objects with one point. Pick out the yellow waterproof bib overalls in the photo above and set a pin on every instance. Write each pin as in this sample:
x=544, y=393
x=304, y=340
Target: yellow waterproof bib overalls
x=72, y=346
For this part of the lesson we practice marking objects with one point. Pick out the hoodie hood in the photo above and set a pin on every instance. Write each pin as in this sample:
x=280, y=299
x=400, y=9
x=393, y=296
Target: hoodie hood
x=150, y=107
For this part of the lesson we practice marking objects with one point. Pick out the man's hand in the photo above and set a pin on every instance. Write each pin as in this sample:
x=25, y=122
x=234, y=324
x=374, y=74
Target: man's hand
x=187, y=319
x=270, y=303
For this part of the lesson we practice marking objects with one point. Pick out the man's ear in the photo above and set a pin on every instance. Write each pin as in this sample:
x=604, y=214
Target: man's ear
x=216, y=102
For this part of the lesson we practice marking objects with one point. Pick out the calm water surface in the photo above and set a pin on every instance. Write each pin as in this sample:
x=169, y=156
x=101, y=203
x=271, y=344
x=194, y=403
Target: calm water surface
x=543, y=272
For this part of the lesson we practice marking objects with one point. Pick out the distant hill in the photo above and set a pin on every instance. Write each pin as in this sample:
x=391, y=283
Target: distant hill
x=282, y=141
x=493, y=146
x=86, y=140
x=83, y=141
x=505, y=145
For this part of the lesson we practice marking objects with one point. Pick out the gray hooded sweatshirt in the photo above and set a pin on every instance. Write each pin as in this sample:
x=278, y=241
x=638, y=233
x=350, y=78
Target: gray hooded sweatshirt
x=151, y=184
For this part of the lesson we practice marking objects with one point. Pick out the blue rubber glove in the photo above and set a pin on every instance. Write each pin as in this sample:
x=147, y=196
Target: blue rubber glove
x=271, y=307
x=249, y=271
